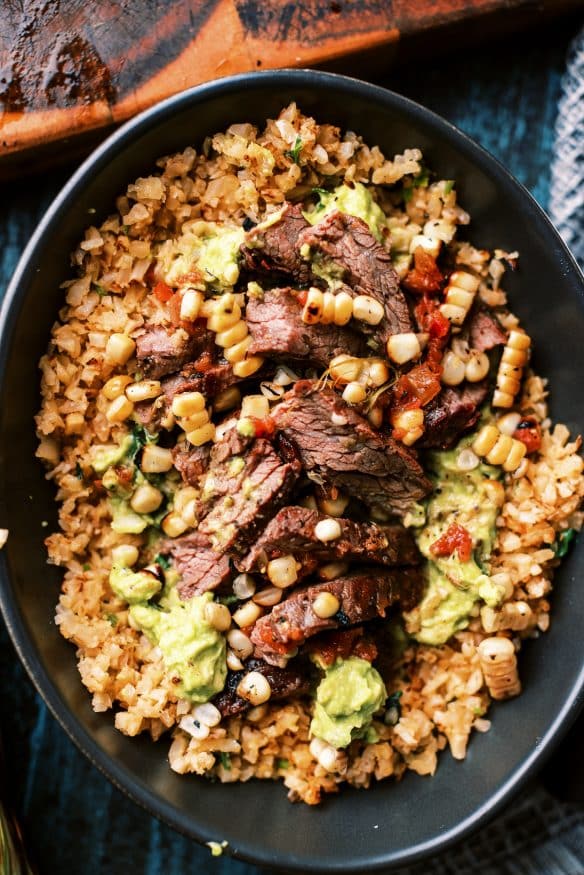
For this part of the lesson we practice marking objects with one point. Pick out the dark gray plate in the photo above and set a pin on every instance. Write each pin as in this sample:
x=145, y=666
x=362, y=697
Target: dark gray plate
x=391, y=823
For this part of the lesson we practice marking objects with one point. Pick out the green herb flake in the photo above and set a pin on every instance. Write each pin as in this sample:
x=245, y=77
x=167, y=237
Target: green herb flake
x=101, y=291
x=112, y=620
x=563, y=543
x=448, y=186
x=140, y=437
x=225, y=760
x=422, y=180
x=282, y=764
x=228, y=599
x=78, y=471
x=163, y=561
x=294, y=153
x=87, y=567
x=408, y=191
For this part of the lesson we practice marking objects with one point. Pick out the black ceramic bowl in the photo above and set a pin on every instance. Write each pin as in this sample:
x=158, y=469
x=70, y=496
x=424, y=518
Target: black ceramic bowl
x=391, y=823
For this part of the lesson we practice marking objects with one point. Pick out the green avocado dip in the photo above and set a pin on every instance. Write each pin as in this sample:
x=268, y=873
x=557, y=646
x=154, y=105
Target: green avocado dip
x=346, y=700
x=193, y=651
x=133, y=586
x=354, y=200
x=466, y=498
x=213, y=250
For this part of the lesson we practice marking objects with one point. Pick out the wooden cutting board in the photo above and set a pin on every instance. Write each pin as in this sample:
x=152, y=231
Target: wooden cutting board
x=70, y=69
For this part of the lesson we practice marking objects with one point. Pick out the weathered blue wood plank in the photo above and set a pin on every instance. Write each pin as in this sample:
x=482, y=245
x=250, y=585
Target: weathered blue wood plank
x=503, y=95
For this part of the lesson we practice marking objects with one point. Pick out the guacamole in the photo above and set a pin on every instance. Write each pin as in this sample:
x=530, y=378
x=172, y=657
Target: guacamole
x=354, y=200
x=133, y=586
x=215, y=253
x=346, y=699
x=107, y=456
x=193, y=651
x=454, y=586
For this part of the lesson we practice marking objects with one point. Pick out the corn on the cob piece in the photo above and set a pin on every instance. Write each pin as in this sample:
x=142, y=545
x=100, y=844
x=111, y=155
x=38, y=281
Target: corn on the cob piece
x=499, y=666
x=328, y=307
x=498, y=448
x=459, y=295
x=363, y=372
x=513, y=360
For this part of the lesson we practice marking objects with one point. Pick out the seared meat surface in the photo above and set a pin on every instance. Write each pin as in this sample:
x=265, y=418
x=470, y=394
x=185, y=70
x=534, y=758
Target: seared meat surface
x=284, y=682
x=453, y=412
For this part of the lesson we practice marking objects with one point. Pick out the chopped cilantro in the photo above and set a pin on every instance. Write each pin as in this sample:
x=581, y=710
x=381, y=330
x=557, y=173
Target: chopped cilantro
x=225, y=760
x=321, y=193
x=113, y=620
x=124, y=229
x=422, y=179
x=282, y=764
x=87, y=566
x=100, y=290
x=448, y=186
x=563, y=543
x=140, y=437
x=228, y=599
x=294, y=153
x=478, y=711
x=163, y=561
x=393, y=708
x=78, y=471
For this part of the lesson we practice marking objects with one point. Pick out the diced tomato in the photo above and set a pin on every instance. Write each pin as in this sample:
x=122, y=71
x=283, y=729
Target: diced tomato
x=529, y=433
x=438, y=325
x=163, y=292
x=302, y=297
x=454, y=538
x=416, y=388
x=264, y=428
x=424, y=278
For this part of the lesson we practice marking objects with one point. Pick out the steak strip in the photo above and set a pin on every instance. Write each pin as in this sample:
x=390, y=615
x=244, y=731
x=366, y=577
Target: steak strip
x=276, y=328
x=452, y=413
x=274, y=248
x=362, y=596
x=283, y=682
x=292, y=531
x=338, y=446
x=161, y=351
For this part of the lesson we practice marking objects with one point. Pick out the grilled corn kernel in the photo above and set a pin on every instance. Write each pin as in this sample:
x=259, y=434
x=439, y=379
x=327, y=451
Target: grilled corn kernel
x=256, y=406
x=190, y=305
x=227, y=400
x=119, y=410
x=248, y=366
x=376, y=372
x=146, y=499
x=247, y=614
x=173, y=525
x=201, y=435
x=183, y=496
x=343, y=308
x=367, y=309
x=233, y=335
x=190, y=514
x=116, y=386
x=402, y=348
x=255, y=688
x=218, y=616
x=499, y=666
x=453, y=369
x=464, y=280
x=495, y=492
x=196, y=420
x=256, y=714
x=500, y=451
x=327, y=530
x=125, y=555
x=282, y=572
x=74, y=423
x=207, y=713
x=332, y=570
x=239, y=643
x=515, y=357
x=326, y=605
x=268, y=597
x=188, y=403
x=410, y=437
x=226, y=312
x=143, y=390
x=233, y=661
x=328, y=309
x=155, y=460
x=334, y=506
x=195, y=728
x=238, y=351
x=375, y=416
x=354, y=393
x=244, y=586
x=119, y=348
x=502, y=399
x=467, y=460
x=485, y=440
x=459, y=298
x=514, y=456
x=508, y=423
x=453, y=313
x=313, y=308
x=477, y=367
x=345, y=368
x=519, y=340
x=409, y=419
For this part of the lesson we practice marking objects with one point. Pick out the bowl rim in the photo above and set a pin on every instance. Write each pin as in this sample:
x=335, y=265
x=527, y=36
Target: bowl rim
x=129, y=783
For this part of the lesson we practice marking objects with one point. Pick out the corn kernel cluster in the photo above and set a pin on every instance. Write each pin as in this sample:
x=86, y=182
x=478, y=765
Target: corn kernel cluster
x=498, y=448
x=499, y=666
x=411, y=422
x=458, y=366
x=231, y=333
x=328, y=308
x=358, y=375
x=193, y=417
x=459, y=295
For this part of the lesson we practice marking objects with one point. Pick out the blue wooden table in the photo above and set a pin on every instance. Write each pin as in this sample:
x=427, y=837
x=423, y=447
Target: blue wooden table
x=504, y=95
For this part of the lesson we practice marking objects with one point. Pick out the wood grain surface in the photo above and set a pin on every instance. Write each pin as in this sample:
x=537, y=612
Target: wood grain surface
x=76, y=823
x=71, y=67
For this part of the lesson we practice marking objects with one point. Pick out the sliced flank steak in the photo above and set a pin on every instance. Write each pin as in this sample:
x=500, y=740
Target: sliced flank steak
x=276, y=328
x=362, y=596
x=365, y=266
x=485, y=332
x=338, y=447
x=292, y=530
x=161, y=351
x=272, y=246
x=452, y=413
x=284, y=682
x=247, y=481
